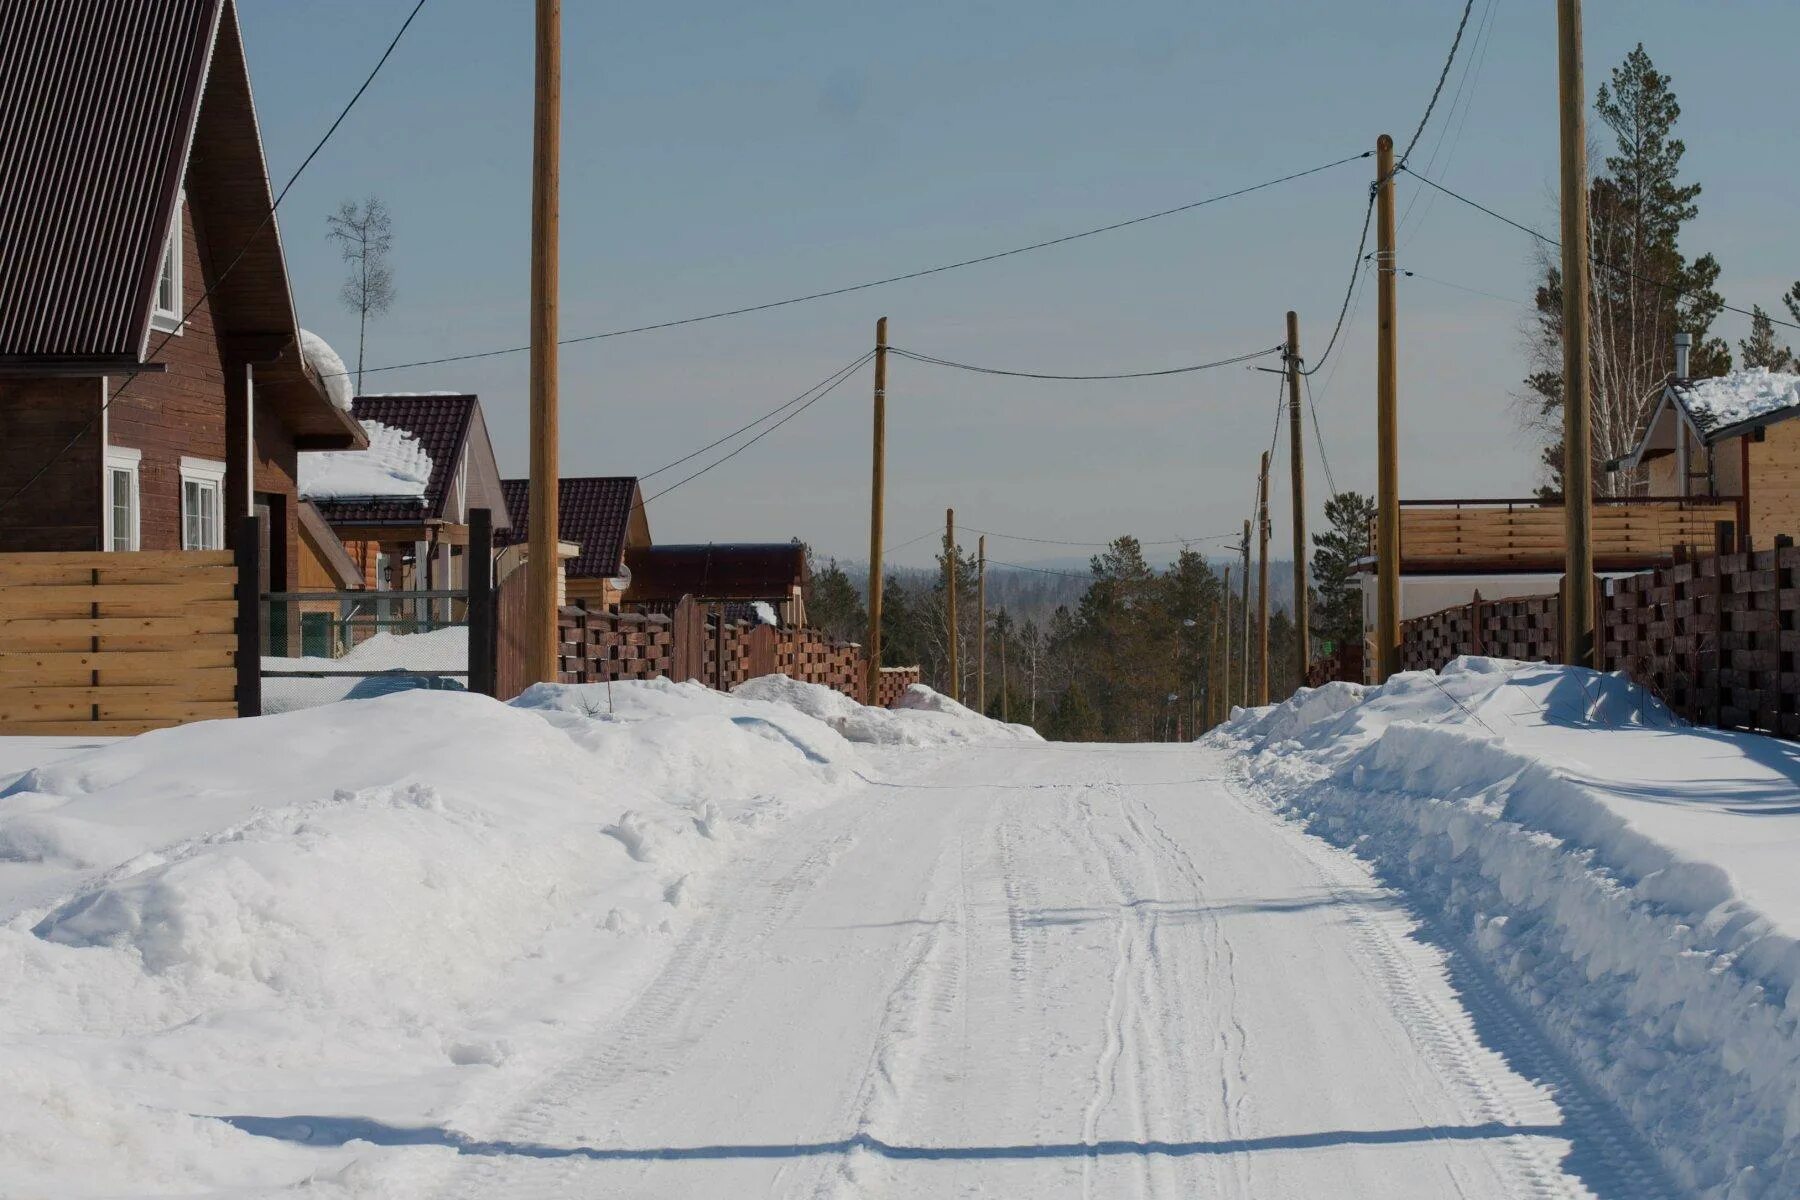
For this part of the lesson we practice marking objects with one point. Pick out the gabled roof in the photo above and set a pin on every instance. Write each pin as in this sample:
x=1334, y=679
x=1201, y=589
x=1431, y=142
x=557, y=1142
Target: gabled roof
x=97, y=108
x=726, y=571
x=596, y=512
x=441, y=424
x=1719, y=408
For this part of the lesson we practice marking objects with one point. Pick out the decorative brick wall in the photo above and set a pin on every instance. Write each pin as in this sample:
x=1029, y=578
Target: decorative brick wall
x=892, y=684
x=597, y=645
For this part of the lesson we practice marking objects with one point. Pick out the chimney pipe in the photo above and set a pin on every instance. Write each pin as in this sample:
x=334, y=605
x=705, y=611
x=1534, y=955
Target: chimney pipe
x=1684, y=342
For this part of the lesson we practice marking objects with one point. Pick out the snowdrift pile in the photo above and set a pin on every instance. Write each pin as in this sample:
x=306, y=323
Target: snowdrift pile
x=921, y=717
x=436, y=650
x=1630, y=879
x=389, y=900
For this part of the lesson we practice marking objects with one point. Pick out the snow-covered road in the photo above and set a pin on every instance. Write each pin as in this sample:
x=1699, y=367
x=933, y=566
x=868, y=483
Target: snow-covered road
x=1048, y=970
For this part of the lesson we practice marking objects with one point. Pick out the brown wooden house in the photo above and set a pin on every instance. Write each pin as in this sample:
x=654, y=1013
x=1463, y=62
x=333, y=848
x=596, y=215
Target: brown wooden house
x=735, y=574
x=429, y=464
x=602, y=517
x=152, y=388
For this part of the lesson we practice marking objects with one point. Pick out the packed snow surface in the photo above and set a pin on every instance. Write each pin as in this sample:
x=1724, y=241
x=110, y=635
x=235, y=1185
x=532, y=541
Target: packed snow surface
x=1740, y=396
x=394, y=467
x=1628, y=880
x=286, y=686
x=329, y=368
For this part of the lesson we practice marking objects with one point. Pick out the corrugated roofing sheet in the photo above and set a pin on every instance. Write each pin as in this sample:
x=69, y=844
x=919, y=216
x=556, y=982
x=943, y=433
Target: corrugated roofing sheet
x=98, y=100
x=592, y=511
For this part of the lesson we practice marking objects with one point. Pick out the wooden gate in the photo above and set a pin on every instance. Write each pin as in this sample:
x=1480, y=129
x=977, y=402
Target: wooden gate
x=116, y=643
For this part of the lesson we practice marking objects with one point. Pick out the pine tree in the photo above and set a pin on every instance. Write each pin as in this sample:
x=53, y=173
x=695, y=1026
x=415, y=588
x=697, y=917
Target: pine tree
x=834, y=605
x=1643, y=289
x=1761, y=349
x=1337, y=613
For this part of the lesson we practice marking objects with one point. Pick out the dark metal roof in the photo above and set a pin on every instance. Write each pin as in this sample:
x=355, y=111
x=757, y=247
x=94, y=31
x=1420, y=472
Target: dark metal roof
x=98, y=102
x=592, y=511
x=441, y=423
x=726, y=571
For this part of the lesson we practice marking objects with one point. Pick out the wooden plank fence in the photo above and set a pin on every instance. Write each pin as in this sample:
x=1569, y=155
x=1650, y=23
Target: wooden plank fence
x=117, y=643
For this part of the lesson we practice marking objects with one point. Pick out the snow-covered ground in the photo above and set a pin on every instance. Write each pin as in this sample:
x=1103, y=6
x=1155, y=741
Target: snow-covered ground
x=1628, y=882
x=655, y=941
x=369, y=908
x=286, y=686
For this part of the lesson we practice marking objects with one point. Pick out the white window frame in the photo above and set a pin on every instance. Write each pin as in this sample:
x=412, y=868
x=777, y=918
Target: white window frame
x=124, y=460
x=168, y=320
x=209, y=474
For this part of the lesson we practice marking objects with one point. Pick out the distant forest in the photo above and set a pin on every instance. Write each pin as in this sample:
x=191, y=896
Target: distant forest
x=1123, y=651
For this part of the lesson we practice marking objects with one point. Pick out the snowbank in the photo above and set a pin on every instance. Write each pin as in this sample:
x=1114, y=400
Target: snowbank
x=394, y=467
x=388, y=900
x=329, y=367
x=1628, y=878
x=921, y=717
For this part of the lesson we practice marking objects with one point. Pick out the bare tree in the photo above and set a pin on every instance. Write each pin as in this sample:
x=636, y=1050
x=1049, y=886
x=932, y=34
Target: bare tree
x=362, y=234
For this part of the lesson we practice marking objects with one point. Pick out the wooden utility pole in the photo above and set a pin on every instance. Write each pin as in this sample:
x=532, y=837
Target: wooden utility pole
x=546, y=142
x=1577, y=618
x=1387, y=424
x=950, y=598
x=1004, y=715
x=1212, y=656
x=1297, y=466
x=1244, y=683
x=981, y=625
x=1225, y=660
x=1262, y=582
x=877, y=501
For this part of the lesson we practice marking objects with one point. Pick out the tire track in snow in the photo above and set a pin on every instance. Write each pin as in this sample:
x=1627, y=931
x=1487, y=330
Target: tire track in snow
x=1400, y=962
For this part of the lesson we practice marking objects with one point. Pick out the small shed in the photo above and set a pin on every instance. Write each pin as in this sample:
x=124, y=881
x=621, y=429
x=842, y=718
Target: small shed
x=1731, y=437
x=774, y=573
x=602, y=516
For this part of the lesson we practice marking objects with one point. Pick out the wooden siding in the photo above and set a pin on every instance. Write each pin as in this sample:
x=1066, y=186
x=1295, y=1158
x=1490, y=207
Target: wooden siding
x=103, y=643
x=1522, y=535
x=1775, y=484
x=39, y=419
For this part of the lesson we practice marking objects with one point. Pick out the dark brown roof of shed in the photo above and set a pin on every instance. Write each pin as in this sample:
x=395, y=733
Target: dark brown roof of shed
x=593, y=511
x=726, y=571
x=441, y=423
x=97, y=107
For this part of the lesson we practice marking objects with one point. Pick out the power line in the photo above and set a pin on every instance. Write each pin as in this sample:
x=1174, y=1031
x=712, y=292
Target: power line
x=1319, y=434
x=131, y=376
x=1205, y=366
x=1437, y=91
x=1661, y=285
x=994, y=562
x=1362, y=246
x=1470, y=81
x=1463, y=288
x=874, y=283
x=1013, y=537
x=824, y=388
x=740, y=429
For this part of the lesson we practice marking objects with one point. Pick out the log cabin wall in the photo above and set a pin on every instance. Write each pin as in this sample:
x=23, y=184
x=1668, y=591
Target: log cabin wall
x=41, y=419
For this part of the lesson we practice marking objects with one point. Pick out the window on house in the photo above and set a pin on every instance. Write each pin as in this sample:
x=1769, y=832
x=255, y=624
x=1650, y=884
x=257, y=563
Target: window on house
x=122, y=498
x=165, y=310
x=202, y=504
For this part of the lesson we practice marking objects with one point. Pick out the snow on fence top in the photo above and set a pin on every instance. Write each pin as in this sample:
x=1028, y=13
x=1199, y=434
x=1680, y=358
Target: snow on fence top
x=1739, y=396
x=330, y=368
x=394, y=467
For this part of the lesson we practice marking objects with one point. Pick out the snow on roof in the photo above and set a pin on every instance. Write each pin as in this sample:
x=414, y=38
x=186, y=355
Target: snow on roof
x=395, y=466
x=1740, y=396
x=329, y=367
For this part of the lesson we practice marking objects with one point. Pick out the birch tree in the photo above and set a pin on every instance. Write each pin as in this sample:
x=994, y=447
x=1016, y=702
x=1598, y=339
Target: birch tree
x=363, y=234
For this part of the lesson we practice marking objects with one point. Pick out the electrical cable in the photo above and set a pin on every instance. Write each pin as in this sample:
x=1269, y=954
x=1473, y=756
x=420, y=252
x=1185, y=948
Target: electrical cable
x=1437, y=91
x=1362, y=246
x=1471, y=81
x=1464, y=288
x=1319, y=434
x=994, y=562
x=831, y=383
x=1205, y=366
x=131, y=375
x=873, y=283
x=1659, y=284
x=1013, y=537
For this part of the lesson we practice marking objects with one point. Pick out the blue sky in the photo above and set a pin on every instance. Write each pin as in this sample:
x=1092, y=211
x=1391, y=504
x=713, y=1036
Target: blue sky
x=717, y=155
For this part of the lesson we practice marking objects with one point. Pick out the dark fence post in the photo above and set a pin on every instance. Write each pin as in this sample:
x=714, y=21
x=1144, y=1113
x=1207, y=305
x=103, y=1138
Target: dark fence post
x=480, y=578
x=249, y=617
